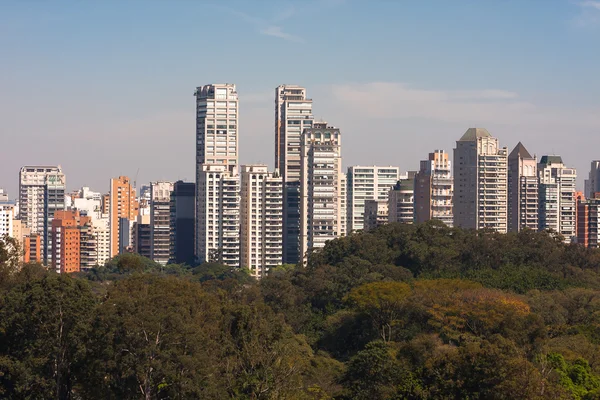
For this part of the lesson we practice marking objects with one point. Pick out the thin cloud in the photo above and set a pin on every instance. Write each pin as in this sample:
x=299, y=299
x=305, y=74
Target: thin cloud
x=276, y=31
x=590, y=4
x=395, y=100
x=271, y=27
x=589, y=15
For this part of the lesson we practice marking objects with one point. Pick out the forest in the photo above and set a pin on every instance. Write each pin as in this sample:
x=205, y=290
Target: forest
x=400, y=312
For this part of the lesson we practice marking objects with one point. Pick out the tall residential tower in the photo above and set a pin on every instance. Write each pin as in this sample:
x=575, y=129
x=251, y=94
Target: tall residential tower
x=434, y=189
x=293, y=114
x=557, y=201
x=367, y=183
x=41, y=194
x=322, y=202
x=522, y=190
x=217, y=179
x=480, y=182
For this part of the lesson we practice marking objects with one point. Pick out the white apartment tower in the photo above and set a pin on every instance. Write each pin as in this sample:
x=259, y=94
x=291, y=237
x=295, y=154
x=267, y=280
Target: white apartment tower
x=367, y=183
x=41, y=194
x=321, y=201
x=7, y=215
x=218, y=221
x=557, y=202
x=217, y=181
x=480, y=182
x=160, y=221
x=522, y=190
x=261, y=219
x=217, y=125
x=434, y=189
x=293, y=114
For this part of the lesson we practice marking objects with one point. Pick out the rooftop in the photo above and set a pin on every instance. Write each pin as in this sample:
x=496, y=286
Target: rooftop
x=473, y=134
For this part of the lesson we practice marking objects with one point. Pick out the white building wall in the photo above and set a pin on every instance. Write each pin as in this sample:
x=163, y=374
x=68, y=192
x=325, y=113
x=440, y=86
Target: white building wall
x=367, y=183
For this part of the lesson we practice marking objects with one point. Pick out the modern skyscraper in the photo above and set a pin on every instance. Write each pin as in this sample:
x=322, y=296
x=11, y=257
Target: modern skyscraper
x=523, y=202
x=293, y=114
x=217, y=179
x=376, y=214
x=480, y=182
x=123, y=204
x=434, y=188
x=401, y=200
x=321, y=200
x=557, y=202
x=367, y=183
x=183, y=231
x=160, y=221
x=218, y=220
x=261, y=219
x=41, y=194
x=217, y=125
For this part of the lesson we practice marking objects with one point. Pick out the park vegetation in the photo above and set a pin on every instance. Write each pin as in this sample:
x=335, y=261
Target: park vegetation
x=400, y=312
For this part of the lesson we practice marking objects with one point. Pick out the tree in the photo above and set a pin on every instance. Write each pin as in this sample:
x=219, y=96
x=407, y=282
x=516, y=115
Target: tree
x=43, y=327
x=383, y=302
x=373, y=373
x=155, y=337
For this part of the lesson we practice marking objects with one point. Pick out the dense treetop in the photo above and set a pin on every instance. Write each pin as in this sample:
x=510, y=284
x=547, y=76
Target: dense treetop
x=401, y=312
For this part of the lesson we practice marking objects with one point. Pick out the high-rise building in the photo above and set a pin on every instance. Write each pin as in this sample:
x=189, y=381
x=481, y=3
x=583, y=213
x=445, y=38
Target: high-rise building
x=593, y=181
x=105, y=204
x=217, y=216
x=376, y=214
x=321, y=202
x=7, y=215
x=160, y=221
x=101, y=229
x=480, y=182
x=293, y=114
x=141, y=236
x=401, y=200
x=41, y=194
x=588, y=213
x=367, y=183
x=72, y=242
x=557, y=202
x=183, y=231
x=123, y=204
x=217, y=125
x=261, y=219
x=523, y=202
x=434, y=189
x=217, y=201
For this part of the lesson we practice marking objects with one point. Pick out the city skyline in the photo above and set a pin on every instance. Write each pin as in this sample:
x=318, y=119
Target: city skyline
x=99, y=88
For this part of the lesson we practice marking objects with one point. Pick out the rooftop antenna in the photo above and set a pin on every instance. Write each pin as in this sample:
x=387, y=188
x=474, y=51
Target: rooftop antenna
x=135, y=179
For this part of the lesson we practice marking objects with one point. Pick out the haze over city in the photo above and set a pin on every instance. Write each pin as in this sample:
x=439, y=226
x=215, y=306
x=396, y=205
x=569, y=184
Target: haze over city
x=106, y=88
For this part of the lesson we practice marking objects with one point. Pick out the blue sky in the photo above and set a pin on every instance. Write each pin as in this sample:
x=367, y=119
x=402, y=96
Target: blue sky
x=106, y=87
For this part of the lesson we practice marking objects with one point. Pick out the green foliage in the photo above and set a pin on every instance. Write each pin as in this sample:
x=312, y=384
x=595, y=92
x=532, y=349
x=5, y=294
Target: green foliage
x=400, y=312
x=576, y=377
x=43, y=328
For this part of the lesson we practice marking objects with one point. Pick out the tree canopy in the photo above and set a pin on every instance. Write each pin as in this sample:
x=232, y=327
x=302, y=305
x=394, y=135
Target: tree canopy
x=399, y=312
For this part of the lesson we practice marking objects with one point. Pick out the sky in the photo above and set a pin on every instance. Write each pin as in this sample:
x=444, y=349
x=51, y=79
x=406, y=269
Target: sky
x=105, y=88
